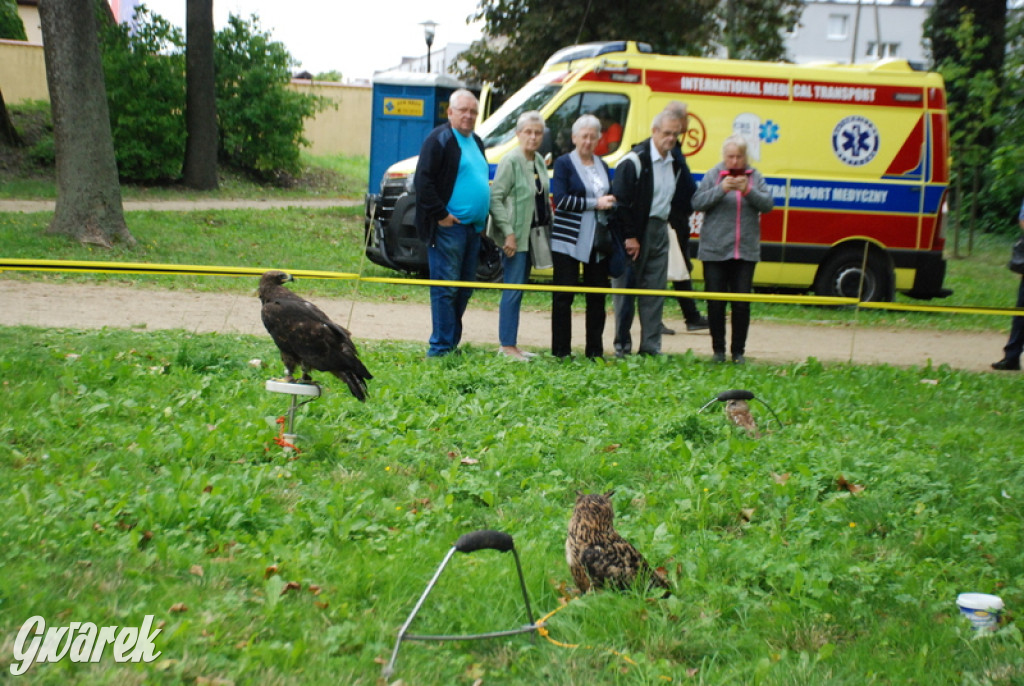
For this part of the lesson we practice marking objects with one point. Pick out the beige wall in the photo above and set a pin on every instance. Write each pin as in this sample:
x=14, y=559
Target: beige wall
x=341, y=130
x=29, y=15
x=22, y=71
x=344, y=127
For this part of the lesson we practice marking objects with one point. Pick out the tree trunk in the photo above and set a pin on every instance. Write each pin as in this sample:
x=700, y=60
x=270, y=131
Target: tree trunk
x=88, y=191
x=200, y=169
x=8, y=134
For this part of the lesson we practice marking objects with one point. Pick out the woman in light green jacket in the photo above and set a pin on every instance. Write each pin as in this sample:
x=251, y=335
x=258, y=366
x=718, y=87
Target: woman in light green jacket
x=519, y=201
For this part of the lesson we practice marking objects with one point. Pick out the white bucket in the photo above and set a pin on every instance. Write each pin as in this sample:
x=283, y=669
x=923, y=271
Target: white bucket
x=982, y=609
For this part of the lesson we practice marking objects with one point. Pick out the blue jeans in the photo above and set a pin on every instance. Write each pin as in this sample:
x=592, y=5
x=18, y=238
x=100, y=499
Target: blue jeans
x=517, y=268
x=453, y=257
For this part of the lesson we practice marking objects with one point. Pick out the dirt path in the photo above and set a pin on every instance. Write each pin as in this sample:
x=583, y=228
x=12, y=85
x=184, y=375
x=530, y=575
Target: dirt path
x=88, y=306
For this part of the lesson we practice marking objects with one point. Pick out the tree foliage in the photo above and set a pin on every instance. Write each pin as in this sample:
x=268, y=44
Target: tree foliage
x=11, y=26
x=521, y=34
x=968, y=45
x=144, y=70
x=1007, y=159
x=754, y=30
x=261, y=122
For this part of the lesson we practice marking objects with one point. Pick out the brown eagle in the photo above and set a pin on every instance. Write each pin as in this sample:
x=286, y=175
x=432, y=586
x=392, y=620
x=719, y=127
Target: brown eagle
x=307, y=337
x=597, y=555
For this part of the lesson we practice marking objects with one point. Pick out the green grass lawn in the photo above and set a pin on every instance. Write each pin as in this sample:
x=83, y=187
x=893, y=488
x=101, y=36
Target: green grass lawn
x=141, y=477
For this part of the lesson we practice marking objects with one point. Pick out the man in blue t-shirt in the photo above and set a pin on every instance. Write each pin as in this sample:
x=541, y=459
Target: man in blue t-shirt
x=452, y=203
x=1015, y=345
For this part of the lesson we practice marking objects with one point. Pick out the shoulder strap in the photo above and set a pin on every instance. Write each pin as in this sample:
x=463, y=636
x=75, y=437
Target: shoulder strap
x=634, y=158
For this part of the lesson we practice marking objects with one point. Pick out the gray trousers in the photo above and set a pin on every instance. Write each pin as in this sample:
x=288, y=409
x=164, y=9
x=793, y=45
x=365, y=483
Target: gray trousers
x=648, y=271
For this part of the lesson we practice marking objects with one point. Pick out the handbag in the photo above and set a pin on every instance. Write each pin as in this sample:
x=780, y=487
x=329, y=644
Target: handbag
x=540, y=246
x=602, y=235
x=1016, y=264
x=677, y=270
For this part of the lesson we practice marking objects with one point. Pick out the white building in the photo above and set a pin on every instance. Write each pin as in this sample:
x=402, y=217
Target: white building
x=853, y=32
x=442, y=60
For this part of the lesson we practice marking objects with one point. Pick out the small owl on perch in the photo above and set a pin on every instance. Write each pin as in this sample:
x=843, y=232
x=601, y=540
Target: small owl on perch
x=738, y=412
x=597, y=555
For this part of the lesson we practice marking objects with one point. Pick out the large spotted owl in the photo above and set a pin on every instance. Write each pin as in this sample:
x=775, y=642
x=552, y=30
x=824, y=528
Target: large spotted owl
x=597, y=555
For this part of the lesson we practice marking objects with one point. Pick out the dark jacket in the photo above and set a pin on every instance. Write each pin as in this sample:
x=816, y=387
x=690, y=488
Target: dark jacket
x=436, y=170
x=634, y=193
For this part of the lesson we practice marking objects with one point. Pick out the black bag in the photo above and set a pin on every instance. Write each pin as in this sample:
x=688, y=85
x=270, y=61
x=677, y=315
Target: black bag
x=609, y=244
x=602, y=236
x=1016, y=264
x=489, y=266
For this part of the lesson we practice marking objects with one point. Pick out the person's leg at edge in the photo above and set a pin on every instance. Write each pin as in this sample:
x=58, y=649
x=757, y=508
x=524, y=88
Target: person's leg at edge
x=1015, y=344
x=688, y=306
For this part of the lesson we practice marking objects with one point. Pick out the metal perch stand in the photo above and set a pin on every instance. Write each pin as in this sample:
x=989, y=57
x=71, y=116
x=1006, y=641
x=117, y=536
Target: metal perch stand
x=311, y=391
x=468, y=543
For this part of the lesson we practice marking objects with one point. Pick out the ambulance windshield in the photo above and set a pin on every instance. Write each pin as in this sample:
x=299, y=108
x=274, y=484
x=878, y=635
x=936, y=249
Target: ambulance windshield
x=501, y=126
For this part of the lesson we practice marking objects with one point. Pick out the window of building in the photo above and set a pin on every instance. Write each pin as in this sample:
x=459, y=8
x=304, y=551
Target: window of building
x=883, y=49
x=838, y=26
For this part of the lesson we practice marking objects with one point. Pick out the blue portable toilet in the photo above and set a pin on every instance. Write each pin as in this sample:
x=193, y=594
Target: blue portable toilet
x=406, y=107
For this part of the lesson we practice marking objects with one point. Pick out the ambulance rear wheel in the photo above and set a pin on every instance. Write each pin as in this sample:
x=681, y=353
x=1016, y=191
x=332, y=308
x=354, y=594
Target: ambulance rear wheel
x=842, y=273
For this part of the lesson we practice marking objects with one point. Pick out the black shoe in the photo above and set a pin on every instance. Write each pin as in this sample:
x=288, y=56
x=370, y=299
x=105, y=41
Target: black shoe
x=665, y=331
x=718, y=357
x=699, y=325
x=739, y=359
x=1007, y=364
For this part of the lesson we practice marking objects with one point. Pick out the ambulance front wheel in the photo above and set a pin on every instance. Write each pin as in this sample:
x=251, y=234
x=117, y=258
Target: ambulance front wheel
x=841, y=275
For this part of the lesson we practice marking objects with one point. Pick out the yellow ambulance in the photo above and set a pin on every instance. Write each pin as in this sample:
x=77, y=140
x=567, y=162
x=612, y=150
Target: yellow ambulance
x=857, y=157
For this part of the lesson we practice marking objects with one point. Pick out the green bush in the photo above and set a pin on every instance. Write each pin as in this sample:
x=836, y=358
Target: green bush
x=260, y=120
x=11, y=26
x=144, y=68
x=43, y=152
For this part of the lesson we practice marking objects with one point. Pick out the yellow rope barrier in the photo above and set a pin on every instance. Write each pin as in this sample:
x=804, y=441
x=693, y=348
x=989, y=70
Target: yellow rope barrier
x=99, y=267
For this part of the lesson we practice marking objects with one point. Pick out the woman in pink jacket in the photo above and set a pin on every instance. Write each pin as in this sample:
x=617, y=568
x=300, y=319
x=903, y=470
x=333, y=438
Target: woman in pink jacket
x=733, y=197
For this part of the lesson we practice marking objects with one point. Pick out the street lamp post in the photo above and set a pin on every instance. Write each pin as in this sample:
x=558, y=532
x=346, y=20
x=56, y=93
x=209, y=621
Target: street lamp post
x=429, y=29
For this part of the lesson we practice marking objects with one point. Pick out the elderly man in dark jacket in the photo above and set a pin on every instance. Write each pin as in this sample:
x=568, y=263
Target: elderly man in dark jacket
x=452, y=202
x=653, y=188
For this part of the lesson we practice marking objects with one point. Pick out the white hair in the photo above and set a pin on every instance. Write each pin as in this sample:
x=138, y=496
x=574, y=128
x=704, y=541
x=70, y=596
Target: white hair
x=527, y=118
x=735, y=139
x=461, y=94
x=587, y=121
x=668, y=113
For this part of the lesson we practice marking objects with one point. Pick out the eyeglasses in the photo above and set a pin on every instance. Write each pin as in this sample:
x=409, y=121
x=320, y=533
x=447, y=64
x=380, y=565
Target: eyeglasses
x=465, y=110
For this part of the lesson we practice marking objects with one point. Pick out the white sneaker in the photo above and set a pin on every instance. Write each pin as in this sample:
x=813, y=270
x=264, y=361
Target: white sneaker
x=513, y=353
